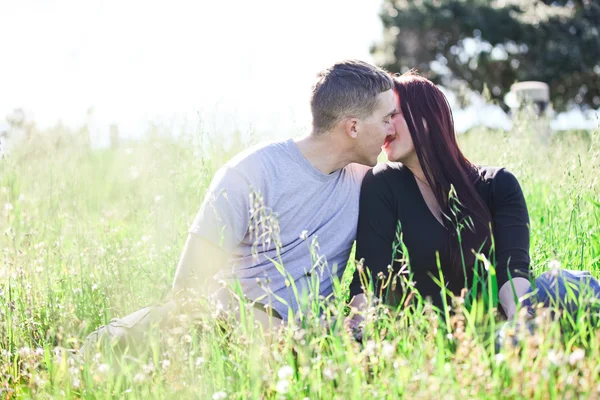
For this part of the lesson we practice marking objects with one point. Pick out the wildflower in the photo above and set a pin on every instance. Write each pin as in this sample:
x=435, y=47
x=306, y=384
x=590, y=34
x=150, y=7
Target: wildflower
x=388, y=349
x=200, y=361
x=219, y=396
x=329, y=373
x=24, y=352
x=165, y=364
x=8, y=208
x=103, y=368
x=285, y=372
x=148, y=368
x=76, y=383
x=555, y=358
x=576, y=356
x=500, y=358
x=554, y=266
x=370, y=348
x=139, y=378
x=282, y=387
x=39, y=382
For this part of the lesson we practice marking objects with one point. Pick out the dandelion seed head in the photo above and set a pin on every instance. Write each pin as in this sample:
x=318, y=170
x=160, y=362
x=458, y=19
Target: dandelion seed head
x=285, y=372
x=219, y=396
x=282, y=386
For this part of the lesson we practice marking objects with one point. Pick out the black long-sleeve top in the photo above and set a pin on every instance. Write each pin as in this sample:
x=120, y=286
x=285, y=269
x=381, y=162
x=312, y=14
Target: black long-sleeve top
x=390, y=194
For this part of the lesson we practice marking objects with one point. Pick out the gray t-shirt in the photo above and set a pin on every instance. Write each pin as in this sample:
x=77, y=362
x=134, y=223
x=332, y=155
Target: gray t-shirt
x=283, y=221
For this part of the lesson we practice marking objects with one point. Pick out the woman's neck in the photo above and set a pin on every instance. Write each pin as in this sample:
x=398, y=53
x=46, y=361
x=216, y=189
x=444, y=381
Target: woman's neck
x=415, y=167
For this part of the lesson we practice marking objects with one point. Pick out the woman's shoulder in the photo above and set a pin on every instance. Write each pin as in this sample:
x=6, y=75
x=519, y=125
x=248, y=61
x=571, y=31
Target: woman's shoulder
x=500, y=177
x=388, y=169
x=385, y=173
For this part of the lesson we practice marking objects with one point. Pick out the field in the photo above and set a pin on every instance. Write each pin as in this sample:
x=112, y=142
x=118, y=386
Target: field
x=91, y=234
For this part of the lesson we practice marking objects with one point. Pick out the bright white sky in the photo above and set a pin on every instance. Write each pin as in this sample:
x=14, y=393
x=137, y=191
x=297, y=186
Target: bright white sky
x=235, y=64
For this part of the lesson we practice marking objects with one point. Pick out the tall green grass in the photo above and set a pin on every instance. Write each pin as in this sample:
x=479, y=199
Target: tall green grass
x=91, y=234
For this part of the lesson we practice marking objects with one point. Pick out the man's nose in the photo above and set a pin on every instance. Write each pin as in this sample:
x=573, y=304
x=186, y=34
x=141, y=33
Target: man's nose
x=391, y=129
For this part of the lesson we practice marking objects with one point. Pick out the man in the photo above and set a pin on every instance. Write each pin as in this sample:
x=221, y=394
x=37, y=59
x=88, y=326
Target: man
x=266, y=206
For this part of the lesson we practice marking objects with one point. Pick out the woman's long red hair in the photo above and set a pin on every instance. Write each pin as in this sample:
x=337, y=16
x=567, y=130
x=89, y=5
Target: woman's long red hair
x=431, y=127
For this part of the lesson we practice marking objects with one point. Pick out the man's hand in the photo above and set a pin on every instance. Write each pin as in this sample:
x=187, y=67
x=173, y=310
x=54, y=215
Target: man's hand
x=507, y=296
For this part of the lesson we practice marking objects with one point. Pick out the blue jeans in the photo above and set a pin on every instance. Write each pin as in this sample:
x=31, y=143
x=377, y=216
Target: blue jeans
x=562, y=290
x=566, y=290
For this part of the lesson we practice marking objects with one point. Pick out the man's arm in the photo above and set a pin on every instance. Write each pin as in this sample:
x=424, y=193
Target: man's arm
x=218, y=228
x=199, y=262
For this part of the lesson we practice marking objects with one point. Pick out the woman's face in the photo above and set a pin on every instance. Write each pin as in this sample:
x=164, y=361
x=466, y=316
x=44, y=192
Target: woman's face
x=399, y=147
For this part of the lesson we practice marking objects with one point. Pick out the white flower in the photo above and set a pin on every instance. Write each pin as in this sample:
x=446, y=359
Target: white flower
x=139, y=377
x=103, y=368
x=219, y=396
x=554, y=265
x=370, y=347
x=500, y=358
x=282, y=387
x=329, y=373
x=555, y=358
x=285, y=372
x=24, y=352
x=576, y=356
x=388, y=349
x=200, y=361
x=304, y=235
x=148, y=368
x=165, y=364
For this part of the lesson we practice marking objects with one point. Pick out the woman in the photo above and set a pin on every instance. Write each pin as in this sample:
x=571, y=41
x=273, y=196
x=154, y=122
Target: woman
x=443, y=209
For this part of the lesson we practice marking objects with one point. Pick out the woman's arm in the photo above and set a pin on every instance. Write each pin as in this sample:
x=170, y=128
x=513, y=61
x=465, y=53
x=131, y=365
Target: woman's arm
x=376, y=230
x=511, y=240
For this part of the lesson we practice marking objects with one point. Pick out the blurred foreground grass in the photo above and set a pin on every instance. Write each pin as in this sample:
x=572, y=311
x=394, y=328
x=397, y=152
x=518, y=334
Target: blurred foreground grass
x=90, y=234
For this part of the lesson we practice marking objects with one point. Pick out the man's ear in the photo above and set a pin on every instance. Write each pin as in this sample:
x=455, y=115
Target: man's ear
x=351, y=127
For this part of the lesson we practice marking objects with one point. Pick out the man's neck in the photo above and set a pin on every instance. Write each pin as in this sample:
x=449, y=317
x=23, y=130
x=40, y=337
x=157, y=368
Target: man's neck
x=324, y=152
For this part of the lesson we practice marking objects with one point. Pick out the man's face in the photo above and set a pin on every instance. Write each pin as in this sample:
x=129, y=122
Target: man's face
x=373, y=130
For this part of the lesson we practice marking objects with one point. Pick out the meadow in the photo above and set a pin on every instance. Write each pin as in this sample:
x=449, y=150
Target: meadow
x=91, y=234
